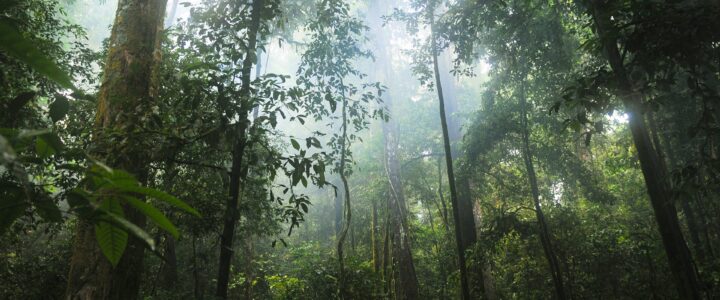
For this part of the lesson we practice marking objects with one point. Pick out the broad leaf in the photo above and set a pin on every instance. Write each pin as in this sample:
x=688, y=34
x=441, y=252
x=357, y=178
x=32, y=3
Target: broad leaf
x=162, y=196
x=154, y=214
x=111, y=238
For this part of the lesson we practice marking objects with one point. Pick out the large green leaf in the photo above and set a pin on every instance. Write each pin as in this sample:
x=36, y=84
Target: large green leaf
x=111, y=238
x=16, y=45
x=130, y=228
x=154, y=214
x=162, y=196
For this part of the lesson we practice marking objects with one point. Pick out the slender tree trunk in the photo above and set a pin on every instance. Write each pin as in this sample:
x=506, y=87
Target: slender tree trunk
x=373, y=239
x=339, y=207
x=545, y=237
x=678, y=254
x=464, y=288
x=238, y=172
x=127, y=86
x=441, y=198
x=346, y=193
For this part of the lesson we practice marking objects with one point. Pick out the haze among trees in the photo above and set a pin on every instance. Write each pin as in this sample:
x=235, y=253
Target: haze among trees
x=364, y=149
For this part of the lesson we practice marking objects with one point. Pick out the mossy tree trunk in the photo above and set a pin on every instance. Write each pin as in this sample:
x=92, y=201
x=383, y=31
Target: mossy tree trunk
x=125, y=104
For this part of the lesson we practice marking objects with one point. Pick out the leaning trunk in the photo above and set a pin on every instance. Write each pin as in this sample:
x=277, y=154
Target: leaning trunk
x=678, y=254
x=464, y=288
x=127, y=88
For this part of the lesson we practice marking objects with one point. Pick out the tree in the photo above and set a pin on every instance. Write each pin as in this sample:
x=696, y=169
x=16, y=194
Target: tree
x=125, y=105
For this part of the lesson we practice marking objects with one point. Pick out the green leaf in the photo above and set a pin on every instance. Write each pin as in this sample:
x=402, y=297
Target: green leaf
x=131, y=228
x=59, y=108
x=16, y=45
x=295, y=144
x=165, y=197
x=111, y=238
x=154, y=214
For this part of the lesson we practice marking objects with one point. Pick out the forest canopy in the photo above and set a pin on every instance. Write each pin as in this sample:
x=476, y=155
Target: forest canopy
x=359, y=149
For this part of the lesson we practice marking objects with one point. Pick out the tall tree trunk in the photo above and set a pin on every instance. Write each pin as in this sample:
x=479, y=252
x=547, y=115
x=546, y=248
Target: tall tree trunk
x=133, y=57
x=373, y=239
x=407, y=284
x=687, y=209
x=346, y=193
x=339, y=192
x=545, y=238
x=464, y=288
x=249, y=268
x=465, y=199
x=678, y=254
x=238, y=172
x=441, y=198
x=467, y=220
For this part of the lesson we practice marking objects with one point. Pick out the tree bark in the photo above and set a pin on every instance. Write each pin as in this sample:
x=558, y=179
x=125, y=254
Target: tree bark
x=238, y=172
x=678, y=254
x=127, y=87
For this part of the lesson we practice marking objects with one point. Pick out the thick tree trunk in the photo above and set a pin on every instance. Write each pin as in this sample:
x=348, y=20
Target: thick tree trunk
x=678, y=254
x=464, y=288
x=127, y=88
x=238, y=172
x=545, y=238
